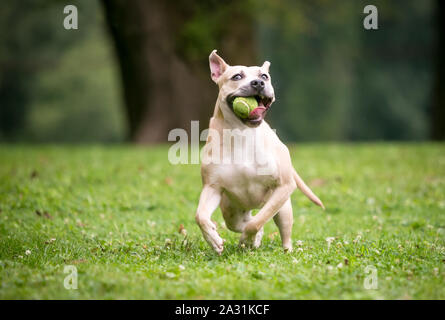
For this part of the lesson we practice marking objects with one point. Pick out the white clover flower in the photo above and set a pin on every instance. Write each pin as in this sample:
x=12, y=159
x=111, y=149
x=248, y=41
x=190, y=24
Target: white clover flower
x=329, y=241
x=299, y=243
x=357, y=239
x=28, y=252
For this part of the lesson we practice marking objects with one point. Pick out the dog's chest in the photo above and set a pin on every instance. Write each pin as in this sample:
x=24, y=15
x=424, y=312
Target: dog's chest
x=247, y=184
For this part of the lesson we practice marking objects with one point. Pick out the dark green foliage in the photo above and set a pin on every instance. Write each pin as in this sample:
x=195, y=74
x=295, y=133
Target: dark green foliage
x=333, y=79
x=56, y=84
x=337, y=81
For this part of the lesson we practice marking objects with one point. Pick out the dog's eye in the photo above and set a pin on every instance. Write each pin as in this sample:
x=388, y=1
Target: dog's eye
x=237, y=77
x=265, y=76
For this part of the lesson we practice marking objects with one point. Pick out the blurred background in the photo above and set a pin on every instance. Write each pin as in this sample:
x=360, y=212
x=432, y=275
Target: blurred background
x=135, y=69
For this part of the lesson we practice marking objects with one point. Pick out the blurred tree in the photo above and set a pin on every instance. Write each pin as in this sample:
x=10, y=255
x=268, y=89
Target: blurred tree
x=162, y=49
x=334, y=80
x=438, y=103
x=391, y=91
x=20, y=57
x=33, y=39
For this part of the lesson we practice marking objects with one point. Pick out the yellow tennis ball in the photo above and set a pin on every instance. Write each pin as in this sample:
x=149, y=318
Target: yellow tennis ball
x=242, y=106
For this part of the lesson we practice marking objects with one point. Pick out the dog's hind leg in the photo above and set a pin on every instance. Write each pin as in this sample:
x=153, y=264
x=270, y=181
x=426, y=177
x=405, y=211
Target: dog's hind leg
x=234, y=216
x=284, y=221
x=236, y=219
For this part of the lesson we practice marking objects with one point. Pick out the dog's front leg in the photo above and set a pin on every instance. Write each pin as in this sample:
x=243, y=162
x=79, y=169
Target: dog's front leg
x=275, y=202
x=208, y=202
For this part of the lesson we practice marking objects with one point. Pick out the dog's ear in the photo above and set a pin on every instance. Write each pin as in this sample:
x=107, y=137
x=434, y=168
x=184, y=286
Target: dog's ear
x=266, y=66
x=217, y=66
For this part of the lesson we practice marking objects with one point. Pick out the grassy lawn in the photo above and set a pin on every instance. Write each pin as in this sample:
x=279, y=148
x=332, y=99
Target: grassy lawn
x=115, y=213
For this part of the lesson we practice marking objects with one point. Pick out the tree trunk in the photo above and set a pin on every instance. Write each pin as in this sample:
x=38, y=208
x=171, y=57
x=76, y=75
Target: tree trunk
x=162, y=87
x=438, y=103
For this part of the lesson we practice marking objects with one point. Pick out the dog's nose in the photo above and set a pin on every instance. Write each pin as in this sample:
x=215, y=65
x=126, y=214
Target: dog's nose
x=257, y=84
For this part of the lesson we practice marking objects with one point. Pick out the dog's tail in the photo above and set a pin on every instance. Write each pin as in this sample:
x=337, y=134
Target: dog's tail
x=306, y=190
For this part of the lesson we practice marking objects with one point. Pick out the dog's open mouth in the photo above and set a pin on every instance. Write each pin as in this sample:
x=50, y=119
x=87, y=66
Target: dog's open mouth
x=256, y=115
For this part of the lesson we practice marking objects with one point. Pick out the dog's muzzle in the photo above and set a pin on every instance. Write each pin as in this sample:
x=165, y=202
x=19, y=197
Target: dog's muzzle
x=257, y=115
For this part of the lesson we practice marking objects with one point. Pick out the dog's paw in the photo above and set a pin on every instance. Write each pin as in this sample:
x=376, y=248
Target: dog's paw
x=247, y=241
x=258, y=238
x=214, y=240
x=251, y=240
x=212, y=237
x=217, y=244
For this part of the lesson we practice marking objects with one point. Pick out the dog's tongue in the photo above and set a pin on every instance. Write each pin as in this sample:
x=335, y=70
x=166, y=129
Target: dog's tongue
x=257, y=113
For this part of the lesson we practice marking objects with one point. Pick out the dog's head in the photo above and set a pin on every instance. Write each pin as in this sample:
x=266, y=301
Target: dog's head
x=241, y=81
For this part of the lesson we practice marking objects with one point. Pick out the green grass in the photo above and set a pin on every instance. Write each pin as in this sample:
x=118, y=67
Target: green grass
x=111, y=211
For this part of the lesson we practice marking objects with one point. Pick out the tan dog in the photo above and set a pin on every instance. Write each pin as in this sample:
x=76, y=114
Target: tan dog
x=231, y=180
